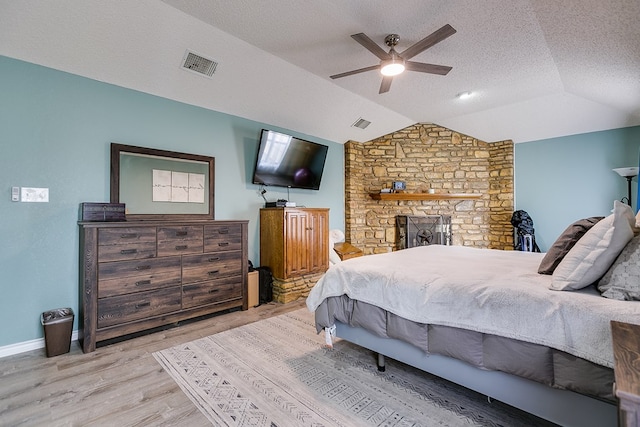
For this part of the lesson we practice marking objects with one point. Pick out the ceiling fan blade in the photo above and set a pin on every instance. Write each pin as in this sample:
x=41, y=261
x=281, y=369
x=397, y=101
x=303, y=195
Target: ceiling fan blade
x=370, y=45
x=386, y=84
x=359, y=70
x=442, y=70
x=435, y=37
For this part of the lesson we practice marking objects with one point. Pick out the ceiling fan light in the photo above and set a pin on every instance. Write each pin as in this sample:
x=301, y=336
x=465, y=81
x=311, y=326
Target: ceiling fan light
x=392, y=68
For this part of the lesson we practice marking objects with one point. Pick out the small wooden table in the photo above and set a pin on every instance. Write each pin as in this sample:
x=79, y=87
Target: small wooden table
x=347, y=250
x=626, y=355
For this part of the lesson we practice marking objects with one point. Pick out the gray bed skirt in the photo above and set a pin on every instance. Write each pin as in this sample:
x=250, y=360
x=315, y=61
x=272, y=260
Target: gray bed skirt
x=555, y=378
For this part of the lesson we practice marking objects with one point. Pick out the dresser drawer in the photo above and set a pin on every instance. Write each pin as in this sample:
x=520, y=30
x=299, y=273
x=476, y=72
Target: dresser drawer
x=126, y=308
x=124, y=277
x=222, y=238
x=116, y=244
x=179, y=240
x=211, y=292
x=198, y=268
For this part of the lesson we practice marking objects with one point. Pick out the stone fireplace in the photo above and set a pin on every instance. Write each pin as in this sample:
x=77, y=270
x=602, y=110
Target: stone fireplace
x=429, y=157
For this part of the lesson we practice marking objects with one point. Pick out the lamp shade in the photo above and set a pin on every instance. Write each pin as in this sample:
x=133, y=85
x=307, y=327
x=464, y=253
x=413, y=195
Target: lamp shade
x=625, y=172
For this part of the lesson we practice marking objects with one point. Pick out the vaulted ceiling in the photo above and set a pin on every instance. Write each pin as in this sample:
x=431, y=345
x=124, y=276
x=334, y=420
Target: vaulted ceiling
x=537, y=68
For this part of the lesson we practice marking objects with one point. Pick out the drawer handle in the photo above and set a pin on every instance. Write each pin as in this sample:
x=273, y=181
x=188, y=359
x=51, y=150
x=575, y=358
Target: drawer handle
x=223, y=244
x=143, y=304
x=128, y=251
x=213, y=291
x=143, y=267
x=181, y=233
x=181, y=247
x=129, y=235
x=214, y=259
x=143, y=282
x=213, y=272
x=223, y=231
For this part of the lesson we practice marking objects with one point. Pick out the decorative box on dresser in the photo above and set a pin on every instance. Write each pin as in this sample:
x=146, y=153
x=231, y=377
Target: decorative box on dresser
x=294, y=241
x=139, y=275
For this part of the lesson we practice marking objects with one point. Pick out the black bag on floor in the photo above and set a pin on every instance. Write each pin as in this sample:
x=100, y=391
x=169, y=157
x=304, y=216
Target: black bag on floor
x=265, y=284
x=525, y=239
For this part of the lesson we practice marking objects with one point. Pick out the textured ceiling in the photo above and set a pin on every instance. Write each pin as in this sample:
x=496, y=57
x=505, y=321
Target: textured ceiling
x=538, y=68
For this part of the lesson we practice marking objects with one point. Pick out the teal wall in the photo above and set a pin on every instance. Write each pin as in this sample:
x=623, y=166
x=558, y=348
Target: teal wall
x=561, y=180
x=55, y=132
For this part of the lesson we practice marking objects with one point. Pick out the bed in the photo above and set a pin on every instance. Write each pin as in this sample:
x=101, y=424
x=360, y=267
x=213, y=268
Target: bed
x=486, y=319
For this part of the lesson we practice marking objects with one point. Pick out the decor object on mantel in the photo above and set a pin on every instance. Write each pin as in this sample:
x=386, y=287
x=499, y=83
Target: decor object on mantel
x=399, y=186
x=627, y=173
x=424, y=196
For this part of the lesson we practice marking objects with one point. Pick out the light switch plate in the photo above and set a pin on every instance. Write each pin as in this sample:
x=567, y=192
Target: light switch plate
x=15, y=194
x=30, y=194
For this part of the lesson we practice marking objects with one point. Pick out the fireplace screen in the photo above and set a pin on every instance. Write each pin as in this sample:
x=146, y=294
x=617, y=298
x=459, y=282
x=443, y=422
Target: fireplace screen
x=414, y=231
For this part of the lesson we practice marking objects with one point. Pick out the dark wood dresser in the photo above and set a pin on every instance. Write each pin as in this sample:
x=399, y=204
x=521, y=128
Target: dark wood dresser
x=139, y=275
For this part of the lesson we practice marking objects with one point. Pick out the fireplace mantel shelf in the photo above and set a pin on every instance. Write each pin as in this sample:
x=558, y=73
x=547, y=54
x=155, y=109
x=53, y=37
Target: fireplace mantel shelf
x=424, y=196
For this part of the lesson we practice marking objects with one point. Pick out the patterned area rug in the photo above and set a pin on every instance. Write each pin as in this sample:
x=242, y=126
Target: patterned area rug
x=275, y=372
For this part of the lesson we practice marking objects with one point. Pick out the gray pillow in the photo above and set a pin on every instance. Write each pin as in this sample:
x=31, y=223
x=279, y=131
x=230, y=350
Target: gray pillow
x=622, y=280
x=595, y=252
x=565, y=242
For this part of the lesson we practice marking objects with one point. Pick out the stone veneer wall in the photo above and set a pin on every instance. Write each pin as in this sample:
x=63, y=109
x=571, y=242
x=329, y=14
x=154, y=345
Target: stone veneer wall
x=424, y=156
x=288, y=290
x=429, y=156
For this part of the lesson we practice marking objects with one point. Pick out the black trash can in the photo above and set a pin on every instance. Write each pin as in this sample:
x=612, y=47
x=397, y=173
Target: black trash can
x=58, y=325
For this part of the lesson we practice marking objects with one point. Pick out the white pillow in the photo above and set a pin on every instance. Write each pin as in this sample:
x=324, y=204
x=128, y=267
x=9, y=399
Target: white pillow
x=596, y=251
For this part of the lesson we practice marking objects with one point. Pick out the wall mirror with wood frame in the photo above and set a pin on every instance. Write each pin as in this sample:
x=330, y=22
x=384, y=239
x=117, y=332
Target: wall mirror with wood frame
x=160, y=184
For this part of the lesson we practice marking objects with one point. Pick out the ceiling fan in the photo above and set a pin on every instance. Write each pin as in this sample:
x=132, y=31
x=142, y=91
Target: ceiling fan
x=394, y=63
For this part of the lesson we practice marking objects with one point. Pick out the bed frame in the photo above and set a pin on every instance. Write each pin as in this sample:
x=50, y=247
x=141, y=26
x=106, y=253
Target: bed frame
x=562, y=407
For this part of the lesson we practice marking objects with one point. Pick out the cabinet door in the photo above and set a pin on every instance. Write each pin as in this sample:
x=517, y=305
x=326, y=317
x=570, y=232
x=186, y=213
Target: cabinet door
x=297, y=243
x=318, y=241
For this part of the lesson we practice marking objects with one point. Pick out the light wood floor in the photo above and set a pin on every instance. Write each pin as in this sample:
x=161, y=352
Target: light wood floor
x=117, y=385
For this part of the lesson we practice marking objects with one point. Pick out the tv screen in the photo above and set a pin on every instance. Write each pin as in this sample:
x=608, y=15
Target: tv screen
x=286, y=161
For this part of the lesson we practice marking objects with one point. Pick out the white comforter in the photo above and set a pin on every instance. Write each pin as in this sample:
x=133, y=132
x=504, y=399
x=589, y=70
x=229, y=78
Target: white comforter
x=491, y=291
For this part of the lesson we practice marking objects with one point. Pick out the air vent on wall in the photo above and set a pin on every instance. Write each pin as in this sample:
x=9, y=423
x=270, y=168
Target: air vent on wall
x=361, y=123
x=198, y=64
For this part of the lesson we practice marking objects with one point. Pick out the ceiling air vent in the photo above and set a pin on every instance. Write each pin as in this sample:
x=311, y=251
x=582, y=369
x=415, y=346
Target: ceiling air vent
x=361, y=123
x=199, y=64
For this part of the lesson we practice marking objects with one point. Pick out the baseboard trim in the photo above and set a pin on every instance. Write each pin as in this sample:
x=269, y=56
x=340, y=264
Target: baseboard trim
x=22, y=347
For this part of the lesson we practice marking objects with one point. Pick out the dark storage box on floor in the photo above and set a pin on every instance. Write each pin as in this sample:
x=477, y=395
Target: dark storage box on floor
x=58, y=325
x=102, y=212
x=265, y=284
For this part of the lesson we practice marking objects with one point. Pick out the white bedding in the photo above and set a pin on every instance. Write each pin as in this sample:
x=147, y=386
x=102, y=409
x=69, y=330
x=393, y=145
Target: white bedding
x=491, y=291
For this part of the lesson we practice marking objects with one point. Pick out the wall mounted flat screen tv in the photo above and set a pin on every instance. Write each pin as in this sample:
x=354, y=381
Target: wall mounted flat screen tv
x=285, y=161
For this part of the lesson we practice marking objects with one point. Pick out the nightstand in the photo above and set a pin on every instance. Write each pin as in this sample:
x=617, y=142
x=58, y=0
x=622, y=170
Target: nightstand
x=626, y=355
x=346, y=251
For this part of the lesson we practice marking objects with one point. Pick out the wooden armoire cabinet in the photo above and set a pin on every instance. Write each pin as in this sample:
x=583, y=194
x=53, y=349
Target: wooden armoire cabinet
x=139, y=275
x=294, y=241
